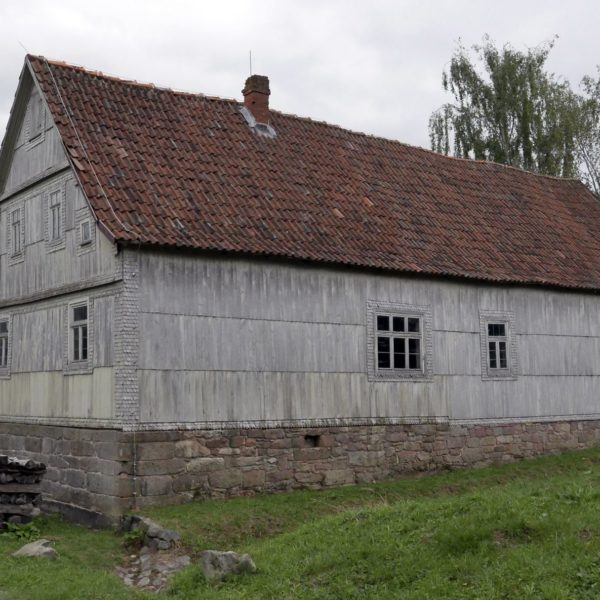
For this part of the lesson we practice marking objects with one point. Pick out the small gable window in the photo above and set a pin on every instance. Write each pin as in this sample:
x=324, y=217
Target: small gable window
x=85, y=233
x=36, y=118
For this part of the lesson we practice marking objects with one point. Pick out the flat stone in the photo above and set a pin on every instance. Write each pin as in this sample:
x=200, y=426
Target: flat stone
x=39, y=549
x=218, y=565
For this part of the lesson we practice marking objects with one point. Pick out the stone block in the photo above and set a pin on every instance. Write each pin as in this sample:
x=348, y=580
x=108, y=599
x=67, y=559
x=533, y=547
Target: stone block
x=366, y=458
x=191, y=448
x=205, y=464
x=254, y=478
x=157, y=485
x=227, y=479
x=338, y=477
x=160, y=467
x=309, y=477
x=155, y=451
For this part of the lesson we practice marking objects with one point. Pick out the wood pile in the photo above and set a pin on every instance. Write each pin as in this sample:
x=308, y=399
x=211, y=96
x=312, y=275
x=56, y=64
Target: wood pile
x=20, y=489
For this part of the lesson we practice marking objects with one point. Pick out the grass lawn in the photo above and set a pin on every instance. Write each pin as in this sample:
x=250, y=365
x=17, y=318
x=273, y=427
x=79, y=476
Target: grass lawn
x=522, y=531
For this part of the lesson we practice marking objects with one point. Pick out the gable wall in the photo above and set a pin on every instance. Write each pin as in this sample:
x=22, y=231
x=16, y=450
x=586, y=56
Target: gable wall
x=37, y=284
x=226, y=339
x=33, y=158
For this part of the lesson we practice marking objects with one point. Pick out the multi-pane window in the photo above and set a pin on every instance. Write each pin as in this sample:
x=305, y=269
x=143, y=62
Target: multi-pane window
x=79, y=332
x=497, y=346
x=398, y=342
x=16, y=228
x=4, y=343
x=55, y=224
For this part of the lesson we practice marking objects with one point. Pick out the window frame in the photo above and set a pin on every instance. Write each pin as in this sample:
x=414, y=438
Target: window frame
x=85, y=241
x=15, y=253
x=511, y=368
x=6, y=347
x=36, y=121
x=74, y=365
x=406, y=311
x=55, y=197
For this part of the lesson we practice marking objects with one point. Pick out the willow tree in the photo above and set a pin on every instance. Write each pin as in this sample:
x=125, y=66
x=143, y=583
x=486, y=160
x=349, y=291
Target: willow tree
x=506, y=108
x=588, y=144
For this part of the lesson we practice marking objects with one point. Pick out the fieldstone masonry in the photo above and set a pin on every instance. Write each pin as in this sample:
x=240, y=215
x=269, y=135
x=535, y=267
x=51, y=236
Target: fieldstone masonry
x=108, y=472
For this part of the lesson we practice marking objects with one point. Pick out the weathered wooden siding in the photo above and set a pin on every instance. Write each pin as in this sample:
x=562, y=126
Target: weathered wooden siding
x=32, y=160
x=43, y=268
x=37, y=385
x=232, y=339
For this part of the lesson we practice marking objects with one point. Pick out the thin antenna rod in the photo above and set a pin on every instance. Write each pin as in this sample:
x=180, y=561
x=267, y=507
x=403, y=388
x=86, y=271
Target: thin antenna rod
x=250, y=62
x=23, y=47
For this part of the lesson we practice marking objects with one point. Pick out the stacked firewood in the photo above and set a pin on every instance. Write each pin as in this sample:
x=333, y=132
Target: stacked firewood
x=20, y=489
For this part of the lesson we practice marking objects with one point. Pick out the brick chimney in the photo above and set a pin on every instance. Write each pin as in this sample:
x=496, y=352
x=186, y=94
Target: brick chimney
x=256, y=97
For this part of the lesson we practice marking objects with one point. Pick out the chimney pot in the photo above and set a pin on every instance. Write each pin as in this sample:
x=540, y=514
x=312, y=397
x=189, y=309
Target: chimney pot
x=256, y=97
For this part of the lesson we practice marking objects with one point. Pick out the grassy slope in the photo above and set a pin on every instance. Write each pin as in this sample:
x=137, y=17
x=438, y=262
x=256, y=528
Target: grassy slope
x=528, y=530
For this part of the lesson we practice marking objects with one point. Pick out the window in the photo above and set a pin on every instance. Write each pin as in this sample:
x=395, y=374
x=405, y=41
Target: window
x=55, y=216
x=16, y=232
x=85, y=233
x=399, y=338
x=79, y=333
x=497, y=341
x=4, y=340
x=398, y=342
x=498, y=345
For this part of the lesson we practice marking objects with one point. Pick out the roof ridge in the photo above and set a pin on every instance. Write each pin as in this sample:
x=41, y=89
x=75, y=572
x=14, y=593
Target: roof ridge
x=154, y=86
x=132, y=82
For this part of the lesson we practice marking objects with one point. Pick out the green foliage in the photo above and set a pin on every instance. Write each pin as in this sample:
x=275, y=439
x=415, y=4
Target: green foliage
x=588, y=147
x=23, y=533
x=508, y=109
x=134, y=539
x=529, y=530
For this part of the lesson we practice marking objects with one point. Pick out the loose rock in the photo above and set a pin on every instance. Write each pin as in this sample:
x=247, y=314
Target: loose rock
x=218, y=565
x=39, y=548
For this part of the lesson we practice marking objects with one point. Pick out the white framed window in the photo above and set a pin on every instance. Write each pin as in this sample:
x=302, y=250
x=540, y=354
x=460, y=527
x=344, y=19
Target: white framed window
x=16, y=232
x=78, y=347
x=79, y=332
x=499, y=357
x=85, y=233
x=399, y=341
x=5, y=346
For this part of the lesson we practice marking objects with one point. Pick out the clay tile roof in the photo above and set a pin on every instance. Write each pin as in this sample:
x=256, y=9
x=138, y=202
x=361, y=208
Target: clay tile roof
x=175, y=169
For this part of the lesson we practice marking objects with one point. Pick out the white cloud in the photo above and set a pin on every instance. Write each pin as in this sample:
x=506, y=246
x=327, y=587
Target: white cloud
x=374, y=67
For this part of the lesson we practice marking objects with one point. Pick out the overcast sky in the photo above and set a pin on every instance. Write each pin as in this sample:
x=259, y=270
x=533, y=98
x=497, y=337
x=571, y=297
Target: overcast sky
x=372, y=66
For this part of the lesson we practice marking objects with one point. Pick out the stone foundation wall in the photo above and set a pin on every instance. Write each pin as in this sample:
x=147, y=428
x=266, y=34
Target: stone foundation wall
x=175, y=466
x=98, y=474
x=88, y=475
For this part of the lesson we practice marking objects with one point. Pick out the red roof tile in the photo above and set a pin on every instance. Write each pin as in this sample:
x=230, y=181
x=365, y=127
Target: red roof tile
x=169, y=168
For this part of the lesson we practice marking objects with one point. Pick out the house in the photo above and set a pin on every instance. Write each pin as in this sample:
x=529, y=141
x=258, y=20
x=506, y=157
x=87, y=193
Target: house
x=201, y=297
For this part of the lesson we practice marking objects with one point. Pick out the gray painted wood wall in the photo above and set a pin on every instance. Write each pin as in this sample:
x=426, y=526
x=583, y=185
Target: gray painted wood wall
x=236, y=339
x=36, y=287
